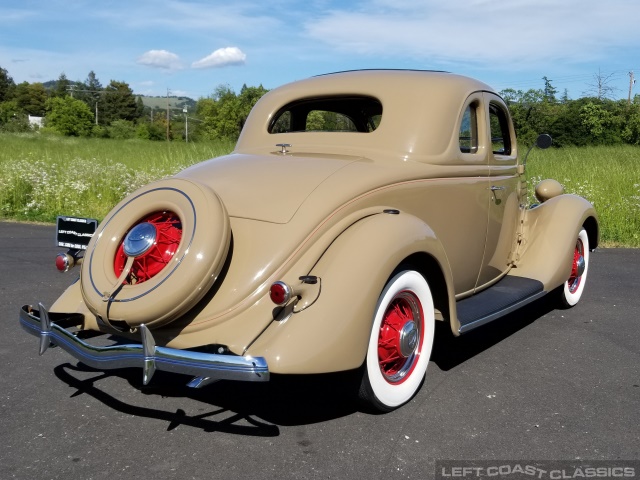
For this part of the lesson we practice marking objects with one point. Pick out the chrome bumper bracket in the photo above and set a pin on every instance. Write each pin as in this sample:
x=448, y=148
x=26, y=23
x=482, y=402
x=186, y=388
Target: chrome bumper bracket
x=208, y=367
x=149, y=351
x=45, y=329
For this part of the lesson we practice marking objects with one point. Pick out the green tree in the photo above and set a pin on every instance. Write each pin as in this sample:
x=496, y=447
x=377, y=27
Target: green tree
x=223, y=114
x=12, y=119
x=631, y=131
x=62, y=88
x=549, y=90
x=6, y=85
x=219, y=113
x=69, y=116
x=595, y=119
x=118, y=103
x=31, y=98
x=139, y=107
x=90, y=91
x=248, y=97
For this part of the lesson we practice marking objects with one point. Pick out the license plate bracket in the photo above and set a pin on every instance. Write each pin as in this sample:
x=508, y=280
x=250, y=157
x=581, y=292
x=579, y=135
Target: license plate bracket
x=75, y=233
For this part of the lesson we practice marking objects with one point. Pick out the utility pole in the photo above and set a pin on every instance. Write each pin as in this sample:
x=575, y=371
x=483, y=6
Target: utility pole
x=186, y=124
x=96, y=111
x=631, y=83
x=168, y=118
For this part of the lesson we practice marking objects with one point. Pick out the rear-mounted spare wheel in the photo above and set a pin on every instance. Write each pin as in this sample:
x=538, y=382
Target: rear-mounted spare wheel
x=156, y=254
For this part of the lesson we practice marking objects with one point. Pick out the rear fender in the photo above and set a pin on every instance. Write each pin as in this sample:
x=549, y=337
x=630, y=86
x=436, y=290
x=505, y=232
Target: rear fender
x=332, y=334
x=550, y=233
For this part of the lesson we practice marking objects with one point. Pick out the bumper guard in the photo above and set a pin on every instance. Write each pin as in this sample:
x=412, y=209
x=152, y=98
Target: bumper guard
x=205, y=367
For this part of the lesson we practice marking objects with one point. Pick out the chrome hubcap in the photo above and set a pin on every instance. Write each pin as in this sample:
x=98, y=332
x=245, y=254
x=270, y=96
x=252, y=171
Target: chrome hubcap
x=408, y=339
x=140, y=239
x=580, y=266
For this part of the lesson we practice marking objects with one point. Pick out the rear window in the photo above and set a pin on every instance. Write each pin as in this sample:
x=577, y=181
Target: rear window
x=329, y=114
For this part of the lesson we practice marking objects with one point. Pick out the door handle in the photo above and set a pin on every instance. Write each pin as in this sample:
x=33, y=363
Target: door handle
x=494, y=188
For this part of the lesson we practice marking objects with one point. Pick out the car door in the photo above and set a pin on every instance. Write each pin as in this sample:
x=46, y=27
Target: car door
x=465, y=211
x=502, y=191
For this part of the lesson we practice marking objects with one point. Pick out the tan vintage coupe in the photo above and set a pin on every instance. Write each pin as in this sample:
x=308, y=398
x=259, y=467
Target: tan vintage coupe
x=357, y=209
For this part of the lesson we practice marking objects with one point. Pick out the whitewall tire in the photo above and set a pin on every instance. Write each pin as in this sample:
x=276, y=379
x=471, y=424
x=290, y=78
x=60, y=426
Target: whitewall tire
x=400, y=343
x=572, y=289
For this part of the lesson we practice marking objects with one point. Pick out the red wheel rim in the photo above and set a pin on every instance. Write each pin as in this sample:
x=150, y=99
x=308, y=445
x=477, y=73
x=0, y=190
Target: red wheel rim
x=401, y=337
x=575, y=277
x=149, y=264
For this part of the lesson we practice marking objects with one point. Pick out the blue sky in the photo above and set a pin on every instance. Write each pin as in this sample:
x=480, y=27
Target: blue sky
x=191, y=46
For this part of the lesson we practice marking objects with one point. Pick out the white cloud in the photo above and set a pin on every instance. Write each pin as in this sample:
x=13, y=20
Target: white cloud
x=496, y=34
x=160, y=59
x=223, y=57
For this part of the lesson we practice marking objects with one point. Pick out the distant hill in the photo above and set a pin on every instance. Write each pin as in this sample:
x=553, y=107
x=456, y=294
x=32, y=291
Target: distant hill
x=174, y=102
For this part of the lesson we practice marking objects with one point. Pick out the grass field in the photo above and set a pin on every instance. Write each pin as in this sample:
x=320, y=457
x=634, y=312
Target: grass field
x=609, y=177
x=43, y=176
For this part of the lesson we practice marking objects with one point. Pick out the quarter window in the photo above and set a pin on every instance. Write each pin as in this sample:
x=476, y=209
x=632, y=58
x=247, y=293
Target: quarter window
x=469, y=130
x=500, y=136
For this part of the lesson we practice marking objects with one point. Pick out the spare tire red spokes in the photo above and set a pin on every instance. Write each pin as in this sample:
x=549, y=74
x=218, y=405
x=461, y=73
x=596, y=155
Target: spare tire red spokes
x=153, y=241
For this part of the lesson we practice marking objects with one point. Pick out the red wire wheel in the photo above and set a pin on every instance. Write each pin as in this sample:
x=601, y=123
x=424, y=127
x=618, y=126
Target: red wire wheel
x=168, y=234
x=400, y=342
x=576, y=267
x=175, y=234
x=400, y=339
x=571, y=291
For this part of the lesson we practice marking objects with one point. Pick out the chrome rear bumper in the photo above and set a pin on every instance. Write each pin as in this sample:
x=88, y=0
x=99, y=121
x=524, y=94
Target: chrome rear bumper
x=206, y=367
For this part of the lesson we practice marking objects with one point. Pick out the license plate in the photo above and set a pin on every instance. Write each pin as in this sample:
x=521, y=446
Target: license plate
x=75, y=233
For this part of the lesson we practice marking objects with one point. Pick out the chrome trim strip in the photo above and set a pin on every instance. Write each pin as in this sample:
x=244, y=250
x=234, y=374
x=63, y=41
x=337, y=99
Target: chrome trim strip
x=147, y=355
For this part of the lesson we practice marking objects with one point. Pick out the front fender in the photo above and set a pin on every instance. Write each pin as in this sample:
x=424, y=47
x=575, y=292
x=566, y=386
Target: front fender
x=332, y=334
x=550, y=232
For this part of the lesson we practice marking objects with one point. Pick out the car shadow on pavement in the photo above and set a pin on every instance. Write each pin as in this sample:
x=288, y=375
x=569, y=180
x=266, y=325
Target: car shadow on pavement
x=257, y=409
x=253, y=409
x=449, y=351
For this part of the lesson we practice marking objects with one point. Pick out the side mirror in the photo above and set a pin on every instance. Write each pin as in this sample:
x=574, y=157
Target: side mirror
x=543, y=141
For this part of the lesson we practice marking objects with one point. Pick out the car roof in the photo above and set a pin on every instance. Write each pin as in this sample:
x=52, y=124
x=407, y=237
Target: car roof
x=414, y=102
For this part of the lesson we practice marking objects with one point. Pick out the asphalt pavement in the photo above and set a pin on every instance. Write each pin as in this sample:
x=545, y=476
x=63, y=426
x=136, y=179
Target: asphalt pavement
x=540, y=384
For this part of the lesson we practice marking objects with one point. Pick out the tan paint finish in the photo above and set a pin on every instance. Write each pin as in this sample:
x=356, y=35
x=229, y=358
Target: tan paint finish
x=318, y=210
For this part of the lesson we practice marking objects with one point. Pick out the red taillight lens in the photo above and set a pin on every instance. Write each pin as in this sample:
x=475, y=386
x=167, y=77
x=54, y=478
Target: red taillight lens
x=280, y=293
x=63, y=262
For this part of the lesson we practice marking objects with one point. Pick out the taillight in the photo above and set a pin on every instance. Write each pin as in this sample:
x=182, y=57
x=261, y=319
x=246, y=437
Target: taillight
x=64, y=262
x=280, y=293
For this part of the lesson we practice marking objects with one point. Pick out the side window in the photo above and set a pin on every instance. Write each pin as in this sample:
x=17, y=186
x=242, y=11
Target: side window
x=500, y=135
x=468, y=137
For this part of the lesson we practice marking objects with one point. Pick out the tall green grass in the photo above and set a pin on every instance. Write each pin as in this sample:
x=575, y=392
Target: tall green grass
x=44, y=176
x=609, y=177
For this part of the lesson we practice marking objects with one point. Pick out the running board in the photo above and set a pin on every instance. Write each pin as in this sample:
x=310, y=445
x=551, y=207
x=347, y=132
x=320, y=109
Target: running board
x=504, y=297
